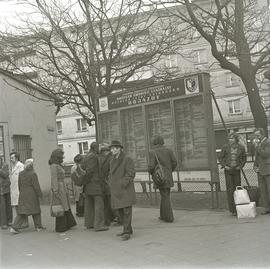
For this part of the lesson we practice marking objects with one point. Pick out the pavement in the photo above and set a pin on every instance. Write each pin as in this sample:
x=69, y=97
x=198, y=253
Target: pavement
x=197, y=239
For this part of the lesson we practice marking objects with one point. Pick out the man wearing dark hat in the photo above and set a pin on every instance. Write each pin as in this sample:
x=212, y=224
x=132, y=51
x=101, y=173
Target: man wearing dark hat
x=122, y=174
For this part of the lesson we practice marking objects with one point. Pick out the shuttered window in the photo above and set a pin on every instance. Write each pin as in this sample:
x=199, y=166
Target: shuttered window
x=22, y=145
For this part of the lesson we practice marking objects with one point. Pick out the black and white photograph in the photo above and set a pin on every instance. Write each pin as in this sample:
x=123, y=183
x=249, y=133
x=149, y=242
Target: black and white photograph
x=134, y=134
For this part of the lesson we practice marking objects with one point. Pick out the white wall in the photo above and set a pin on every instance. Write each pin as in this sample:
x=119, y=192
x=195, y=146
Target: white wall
x=25, y=115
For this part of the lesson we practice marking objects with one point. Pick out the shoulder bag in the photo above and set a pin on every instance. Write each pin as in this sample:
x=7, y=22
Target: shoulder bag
x=158, y=174
x=57, y=210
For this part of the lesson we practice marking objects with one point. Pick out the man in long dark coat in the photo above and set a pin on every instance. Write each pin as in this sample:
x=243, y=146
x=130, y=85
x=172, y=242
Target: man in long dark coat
x=105, y=157
x=122, y=174
x=262, y=166
x=168, y=161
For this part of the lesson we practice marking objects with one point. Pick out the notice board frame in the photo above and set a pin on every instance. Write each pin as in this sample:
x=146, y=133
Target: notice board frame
x=182, y=88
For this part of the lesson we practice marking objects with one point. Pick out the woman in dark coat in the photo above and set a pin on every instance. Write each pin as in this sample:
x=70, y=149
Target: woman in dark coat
x=29, y=195
x=169, y=163
x=59, y=192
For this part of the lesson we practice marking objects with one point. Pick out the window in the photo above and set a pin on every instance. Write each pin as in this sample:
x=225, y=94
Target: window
x=83, y=147
x=60, y=146
x=200, y=56
x=59, y=127
x=81, y=125
x=22, y=145
x=234, y=106
x=170, y=61
x=2, y=153
x=231, y=80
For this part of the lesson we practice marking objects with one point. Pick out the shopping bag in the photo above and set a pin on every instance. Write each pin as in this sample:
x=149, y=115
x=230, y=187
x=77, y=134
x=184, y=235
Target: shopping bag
x=241, y=196
x=246, y=211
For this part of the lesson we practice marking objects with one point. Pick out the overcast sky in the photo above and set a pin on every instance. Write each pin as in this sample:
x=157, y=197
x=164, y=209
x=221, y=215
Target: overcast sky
x=9, y=10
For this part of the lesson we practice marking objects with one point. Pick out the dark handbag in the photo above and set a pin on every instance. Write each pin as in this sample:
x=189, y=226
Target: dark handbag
x=57, y=210
x=158, y=174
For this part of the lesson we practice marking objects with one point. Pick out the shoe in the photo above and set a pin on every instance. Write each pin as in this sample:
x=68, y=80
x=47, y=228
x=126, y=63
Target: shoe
x=116, y=224
x=102, y=229
x=125, y=237
x=90, y=227
x=40, y=229
x=120, y=234
x=4, y=227
x=13, y=231
x=10, y=224
x=265, y=212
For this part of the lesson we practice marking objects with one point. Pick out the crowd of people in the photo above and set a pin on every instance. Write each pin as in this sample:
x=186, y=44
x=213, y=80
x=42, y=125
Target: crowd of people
x=104, y=184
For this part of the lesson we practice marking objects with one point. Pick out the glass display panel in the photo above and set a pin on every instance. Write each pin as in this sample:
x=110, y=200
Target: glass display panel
x=2, y=155
x=108, y=127
x=159, y=122
x=133, y=136
x=191, y=133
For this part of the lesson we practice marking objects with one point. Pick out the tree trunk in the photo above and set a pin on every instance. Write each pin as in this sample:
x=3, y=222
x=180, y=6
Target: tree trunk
x=247, y=71
x=256, y=107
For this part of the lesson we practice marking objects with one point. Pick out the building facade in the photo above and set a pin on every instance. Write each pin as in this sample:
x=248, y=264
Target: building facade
x=27, y=125
x=74, y=135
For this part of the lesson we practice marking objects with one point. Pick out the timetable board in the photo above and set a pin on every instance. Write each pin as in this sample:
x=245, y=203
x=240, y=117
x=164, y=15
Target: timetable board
x=179, y=110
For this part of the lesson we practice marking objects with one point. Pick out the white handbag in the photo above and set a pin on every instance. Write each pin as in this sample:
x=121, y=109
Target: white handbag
x=241, y=196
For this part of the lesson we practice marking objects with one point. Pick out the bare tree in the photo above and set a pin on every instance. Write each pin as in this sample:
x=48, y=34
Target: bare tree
x=83, y=49
x=239, y=35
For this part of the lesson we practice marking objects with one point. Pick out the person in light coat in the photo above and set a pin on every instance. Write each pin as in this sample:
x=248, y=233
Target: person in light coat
x=16, y=168
x=59, y=191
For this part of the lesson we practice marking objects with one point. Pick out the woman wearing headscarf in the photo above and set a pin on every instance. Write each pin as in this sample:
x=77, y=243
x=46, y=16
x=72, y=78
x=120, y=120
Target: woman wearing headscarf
x=29, y=195
x=168, y=161
x=60, y=192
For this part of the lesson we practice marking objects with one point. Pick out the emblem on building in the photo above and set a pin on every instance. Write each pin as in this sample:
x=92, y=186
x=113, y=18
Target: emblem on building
x=103, y=104
x=191, y=85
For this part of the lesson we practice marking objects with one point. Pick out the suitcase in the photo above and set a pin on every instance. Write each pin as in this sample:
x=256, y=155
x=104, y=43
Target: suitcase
x=246, y=211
